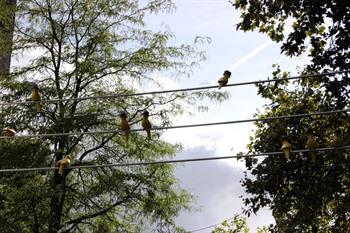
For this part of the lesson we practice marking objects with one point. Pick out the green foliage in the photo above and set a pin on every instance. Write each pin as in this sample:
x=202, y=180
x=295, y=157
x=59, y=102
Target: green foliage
x=318, y=28
x=300, y=195
x=236, y=224
x=303, y=197
x=90, y=48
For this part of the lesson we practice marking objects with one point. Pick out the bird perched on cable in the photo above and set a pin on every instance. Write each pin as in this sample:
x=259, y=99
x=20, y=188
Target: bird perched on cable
x=146, y=125
x=286, y=148
x=338, y=141
x=124, y=125
x=311, y=145
x=224, y=79
x=63, y=163
x=8, y=133
x=36, y=97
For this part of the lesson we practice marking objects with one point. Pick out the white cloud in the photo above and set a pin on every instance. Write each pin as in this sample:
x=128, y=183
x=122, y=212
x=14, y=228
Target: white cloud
x=217, y=188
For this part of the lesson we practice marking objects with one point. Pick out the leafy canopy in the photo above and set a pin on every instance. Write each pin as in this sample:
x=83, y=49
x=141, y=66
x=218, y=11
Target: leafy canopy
x=86, y=48
x=303, y=197
x=236, y=224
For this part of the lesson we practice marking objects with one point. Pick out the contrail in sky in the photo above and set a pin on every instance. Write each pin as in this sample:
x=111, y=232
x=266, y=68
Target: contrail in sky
x=250, y=55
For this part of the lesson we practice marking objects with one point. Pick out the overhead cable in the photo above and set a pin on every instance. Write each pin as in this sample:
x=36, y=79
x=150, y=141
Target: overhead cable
x=208, y=227
x=171, y=91
x=238, y=156
x=183, y=126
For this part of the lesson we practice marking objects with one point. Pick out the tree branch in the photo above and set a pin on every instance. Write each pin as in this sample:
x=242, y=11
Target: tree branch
x=100, y=212
x=97, y=147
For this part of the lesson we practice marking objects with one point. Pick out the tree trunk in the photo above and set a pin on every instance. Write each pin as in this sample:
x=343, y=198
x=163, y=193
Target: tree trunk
x=7, y=20
x=58, y=192
x=56, y=204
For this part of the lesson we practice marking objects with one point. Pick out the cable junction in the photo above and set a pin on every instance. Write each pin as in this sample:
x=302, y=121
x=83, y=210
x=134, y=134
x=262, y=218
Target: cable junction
x=172, y=161
x=181, y=126
x=174, y=90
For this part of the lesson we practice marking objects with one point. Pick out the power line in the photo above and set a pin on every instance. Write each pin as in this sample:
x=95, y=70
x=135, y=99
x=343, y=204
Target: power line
x=207, y=227
x=204, y=228
x=238, y=156
x=183, y=126
x=174, y=90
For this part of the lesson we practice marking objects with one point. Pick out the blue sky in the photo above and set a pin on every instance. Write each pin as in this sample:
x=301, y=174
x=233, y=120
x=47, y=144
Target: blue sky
x=249, y=56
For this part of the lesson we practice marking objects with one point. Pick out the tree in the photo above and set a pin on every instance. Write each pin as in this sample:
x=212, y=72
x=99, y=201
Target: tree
x=7, y=15
x=303, y=197
x=92, y=48
x=237, y=224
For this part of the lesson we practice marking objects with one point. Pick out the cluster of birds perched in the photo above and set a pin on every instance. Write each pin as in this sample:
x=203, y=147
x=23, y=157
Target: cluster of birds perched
x=146, y=125
x=312, y=144
x=9, y=133
x=64, y=163
x=124, y=125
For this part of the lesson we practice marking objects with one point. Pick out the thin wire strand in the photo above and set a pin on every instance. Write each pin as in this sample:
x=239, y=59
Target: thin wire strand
x=172, y=161
x=204, y=228
x=207, y=227
x=170, y=91
x=183, y=126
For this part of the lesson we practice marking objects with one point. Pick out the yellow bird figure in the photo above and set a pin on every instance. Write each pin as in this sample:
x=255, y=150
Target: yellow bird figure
x=146, y=125
x=8, y=133
x=124, y=125
x=311, y=145
x=36, y=97
x=63, y=163
x=224, y=79
x=286, y=148
x=338, y=141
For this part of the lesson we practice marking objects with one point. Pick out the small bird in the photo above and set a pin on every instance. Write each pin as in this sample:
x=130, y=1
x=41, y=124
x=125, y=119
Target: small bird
x=146, y=125
x=338, y=141
x=286, y=147
x=311, y=144
x=8, y=133
x=63, y=163
x=124, y=125
x=224, y=79
x=36, y=97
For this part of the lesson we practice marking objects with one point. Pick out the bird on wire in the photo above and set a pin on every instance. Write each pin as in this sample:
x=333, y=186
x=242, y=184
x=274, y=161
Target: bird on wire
x=124, y=125
x=63, y=164
x=36, y=98
x=311, y=144
x=146, y=124
x=224, y=79
x=286, y=148
x=338, y=141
